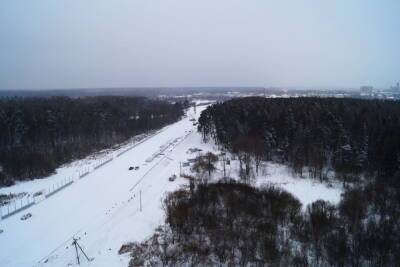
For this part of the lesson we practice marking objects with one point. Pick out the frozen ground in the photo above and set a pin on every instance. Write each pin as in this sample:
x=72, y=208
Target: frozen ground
x=71, y=170
x=102, y=210
x=306, y=190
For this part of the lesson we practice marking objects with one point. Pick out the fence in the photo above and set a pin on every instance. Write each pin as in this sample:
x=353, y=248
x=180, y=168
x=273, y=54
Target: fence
x=125, y=150
x=16, y=206
x=83, y=172
x=28, y=201
x=23, y=203
x=58, y=187
x=137, y=143
x=103, y=162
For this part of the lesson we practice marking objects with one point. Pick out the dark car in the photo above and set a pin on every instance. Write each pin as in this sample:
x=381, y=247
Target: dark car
x=26, y=216
x=172, y=178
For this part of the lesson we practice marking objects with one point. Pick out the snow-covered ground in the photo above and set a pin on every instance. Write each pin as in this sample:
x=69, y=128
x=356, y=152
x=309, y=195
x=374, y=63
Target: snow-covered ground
x=306, y=190
x=273, y=174
x=72, y=170
x=103, y=212
x=278, y=175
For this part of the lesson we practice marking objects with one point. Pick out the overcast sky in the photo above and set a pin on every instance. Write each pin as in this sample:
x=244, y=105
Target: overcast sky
x=137, y=43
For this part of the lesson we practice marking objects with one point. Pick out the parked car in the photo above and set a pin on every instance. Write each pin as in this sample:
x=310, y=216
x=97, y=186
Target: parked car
x=38, y=193
x=131, y=168
x=172, y=178
x=137, y=168
x=26, y=216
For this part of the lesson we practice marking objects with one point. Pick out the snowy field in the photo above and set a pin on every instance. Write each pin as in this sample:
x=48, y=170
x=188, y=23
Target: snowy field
x=278, y=175
x=102, y=210
x=71, y=170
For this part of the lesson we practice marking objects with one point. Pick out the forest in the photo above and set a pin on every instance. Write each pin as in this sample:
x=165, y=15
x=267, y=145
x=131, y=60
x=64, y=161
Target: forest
x=232, y=223
x=349, y=138
x=37, y=135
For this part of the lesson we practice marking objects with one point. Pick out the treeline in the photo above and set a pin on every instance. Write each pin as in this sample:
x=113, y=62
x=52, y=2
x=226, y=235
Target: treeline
x=233, y=224
x=39, y=134
x=319, y=136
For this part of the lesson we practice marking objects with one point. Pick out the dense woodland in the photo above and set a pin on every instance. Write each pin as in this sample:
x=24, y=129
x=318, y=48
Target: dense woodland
x=230, y=223
x=39, y=134
x=351, y=138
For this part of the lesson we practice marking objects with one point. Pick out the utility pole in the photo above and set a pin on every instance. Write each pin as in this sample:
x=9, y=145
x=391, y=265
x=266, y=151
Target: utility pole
x=76, y=250
x=75, y=243
x=140, y=199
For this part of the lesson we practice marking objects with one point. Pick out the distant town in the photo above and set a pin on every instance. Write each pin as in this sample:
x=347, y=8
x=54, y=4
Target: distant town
x=215, y=93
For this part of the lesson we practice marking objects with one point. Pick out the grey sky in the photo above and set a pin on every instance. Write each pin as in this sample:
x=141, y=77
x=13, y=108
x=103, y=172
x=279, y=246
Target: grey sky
x=132, y=43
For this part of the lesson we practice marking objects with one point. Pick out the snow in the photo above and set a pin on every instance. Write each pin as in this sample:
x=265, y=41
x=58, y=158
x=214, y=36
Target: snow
x=274, y=174
x=306, y=190
x=102, y=210
x=71, y=170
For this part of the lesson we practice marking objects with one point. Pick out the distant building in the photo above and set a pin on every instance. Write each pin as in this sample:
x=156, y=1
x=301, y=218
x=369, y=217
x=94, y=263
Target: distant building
x=395, y=88
x=366, y=89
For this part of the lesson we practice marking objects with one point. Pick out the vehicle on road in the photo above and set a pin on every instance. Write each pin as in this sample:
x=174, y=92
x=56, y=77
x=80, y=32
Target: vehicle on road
x=26, y=216
x=172, y=178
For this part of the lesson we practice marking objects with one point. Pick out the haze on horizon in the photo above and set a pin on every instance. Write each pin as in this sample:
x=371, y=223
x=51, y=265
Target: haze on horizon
x=172, y=43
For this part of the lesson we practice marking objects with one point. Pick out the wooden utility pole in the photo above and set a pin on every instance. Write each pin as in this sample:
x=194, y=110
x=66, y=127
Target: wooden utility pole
x=75, y=243
x=140, y=199
x=76, y=250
